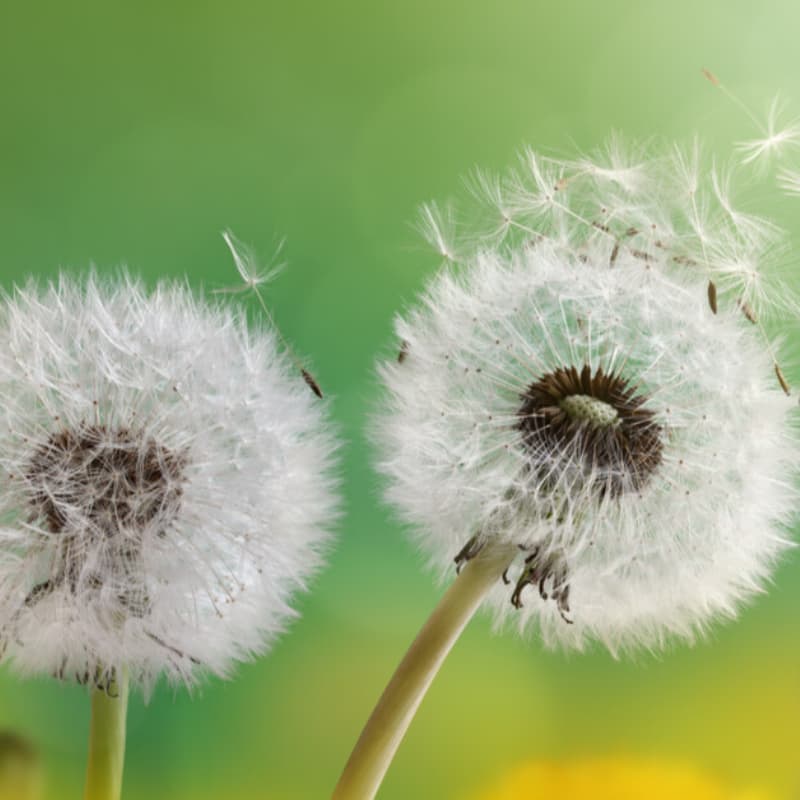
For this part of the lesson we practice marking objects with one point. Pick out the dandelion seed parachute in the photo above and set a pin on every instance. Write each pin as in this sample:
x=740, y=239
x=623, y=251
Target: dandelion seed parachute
x=166, y=486
x=566, y=388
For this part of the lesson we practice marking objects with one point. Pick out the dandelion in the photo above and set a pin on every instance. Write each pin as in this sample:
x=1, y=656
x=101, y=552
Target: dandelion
x=253, y=278
x=615, y=778
x=601, y=443
x=166, y=490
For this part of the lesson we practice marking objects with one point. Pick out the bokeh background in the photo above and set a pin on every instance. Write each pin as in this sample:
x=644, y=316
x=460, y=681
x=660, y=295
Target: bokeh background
x=134, y=133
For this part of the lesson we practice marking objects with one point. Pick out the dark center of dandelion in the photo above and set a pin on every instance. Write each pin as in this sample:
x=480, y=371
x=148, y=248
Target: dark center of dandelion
x=595, y=421
x=107, y=486
x=109, y=479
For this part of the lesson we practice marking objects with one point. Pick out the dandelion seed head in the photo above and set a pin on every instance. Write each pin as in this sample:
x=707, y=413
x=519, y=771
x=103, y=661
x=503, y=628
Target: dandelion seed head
x=167, y=482
x=591, y=427
x=567, y=389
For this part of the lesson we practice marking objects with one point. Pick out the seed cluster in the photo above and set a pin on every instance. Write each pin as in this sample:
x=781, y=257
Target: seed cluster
x=108, y=484
x=596, y=419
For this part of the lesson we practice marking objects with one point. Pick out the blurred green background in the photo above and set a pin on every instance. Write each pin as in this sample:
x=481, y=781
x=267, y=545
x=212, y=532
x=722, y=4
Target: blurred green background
x=134, y=133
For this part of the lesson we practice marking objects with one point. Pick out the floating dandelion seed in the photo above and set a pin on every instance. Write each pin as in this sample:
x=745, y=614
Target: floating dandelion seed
x=247, y=265
x=586, y=418
x=254, y=277
x=775, y=139
x=774, y=142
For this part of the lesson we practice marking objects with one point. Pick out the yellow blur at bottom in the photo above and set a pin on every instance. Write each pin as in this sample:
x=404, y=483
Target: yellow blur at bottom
x=614, y=779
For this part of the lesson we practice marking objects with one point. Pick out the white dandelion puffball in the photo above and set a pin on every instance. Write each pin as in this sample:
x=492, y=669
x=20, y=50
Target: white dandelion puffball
x=568, y=387
x=166, y=482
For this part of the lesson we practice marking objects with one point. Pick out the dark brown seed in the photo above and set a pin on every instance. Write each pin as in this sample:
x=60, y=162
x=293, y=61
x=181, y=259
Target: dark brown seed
x=782, y=379
x=312, y=383
x=747, y=310
x=401, y=356
x=712, y=296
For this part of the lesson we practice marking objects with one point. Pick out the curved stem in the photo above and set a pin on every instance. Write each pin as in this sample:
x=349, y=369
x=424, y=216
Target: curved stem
x=389, y=721
x=107, y=741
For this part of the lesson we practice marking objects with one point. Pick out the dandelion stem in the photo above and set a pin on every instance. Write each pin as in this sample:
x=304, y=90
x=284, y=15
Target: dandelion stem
x=107, y=741
x=392, y=715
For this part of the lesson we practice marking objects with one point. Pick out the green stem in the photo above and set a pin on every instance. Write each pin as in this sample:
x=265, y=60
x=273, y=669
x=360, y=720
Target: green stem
x=389, y=721
x=107, y=741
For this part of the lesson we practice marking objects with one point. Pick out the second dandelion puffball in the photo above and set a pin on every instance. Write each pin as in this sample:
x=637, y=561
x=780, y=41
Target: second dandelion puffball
x=167, y=482
x=571, y=393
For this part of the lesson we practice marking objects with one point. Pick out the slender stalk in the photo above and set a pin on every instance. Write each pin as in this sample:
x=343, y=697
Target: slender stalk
x=389, y=721
x=107, y=741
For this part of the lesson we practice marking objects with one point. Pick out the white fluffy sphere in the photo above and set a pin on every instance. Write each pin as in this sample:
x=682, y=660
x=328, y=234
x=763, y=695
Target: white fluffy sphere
x=166, y=482
x=573, y=393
